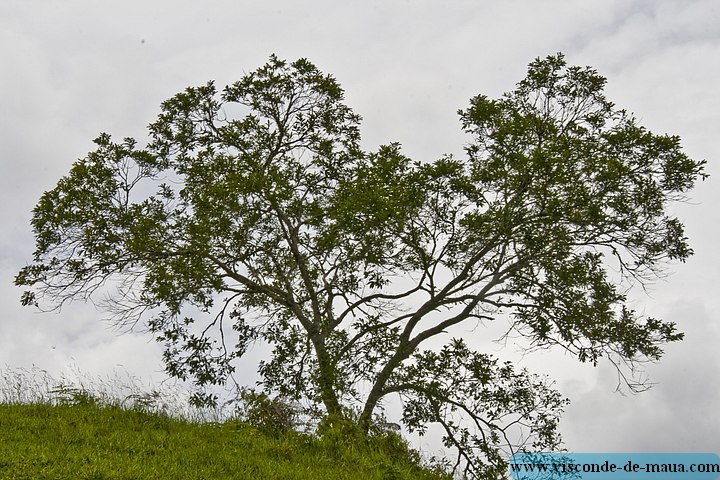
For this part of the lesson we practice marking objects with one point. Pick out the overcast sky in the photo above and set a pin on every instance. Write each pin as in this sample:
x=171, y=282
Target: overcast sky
x=71, y=69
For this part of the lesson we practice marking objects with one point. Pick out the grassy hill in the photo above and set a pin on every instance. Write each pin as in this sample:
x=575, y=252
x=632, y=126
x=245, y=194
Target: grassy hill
x=86, y=439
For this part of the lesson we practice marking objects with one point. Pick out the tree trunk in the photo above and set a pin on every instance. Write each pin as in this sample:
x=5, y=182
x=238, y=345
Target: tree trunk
x=376, y=393
x=326, y=379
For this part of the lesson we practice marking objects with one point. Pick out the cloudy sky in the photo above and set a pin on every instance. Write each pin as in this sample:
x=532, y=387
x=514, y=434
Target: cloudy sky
x=71, y=69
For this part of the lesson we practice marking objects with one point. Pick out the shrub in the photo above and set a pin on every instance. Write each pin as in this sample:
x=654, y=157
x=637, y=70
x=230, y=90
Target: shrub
x=273, y=416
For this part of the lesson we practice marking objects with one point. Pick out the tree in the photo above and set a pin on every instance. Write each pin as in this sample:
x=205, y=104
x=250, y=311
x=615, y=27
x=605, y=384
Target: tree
x=255, y=209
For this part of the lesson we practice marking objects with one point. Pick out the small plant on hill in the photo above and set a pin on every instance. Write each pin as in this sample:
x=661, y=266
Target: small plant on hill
x=273, y=416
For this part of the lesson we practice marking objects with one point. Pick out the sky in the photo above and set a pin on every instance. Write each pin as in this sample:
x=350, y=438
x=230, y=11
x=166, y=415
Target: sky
x=70, y=70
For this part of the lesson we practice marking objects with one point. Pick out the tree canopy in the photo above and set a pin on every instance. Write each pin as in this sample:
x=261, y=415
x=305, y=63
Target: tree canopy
x=253, y=214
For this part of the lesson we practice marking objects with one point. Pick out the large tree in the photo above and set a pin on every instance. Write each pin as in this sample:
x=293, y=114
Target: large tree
x=253, y=213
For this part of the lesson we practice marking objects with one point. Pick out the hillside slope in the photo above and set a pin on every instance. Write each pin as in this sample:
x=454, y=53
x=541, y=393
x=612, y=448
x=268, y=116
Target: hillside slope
x=88, y=441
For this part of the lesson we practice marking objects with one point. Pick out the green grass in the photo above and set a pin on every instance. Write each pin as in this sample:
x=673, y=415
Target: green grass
x=88, y=439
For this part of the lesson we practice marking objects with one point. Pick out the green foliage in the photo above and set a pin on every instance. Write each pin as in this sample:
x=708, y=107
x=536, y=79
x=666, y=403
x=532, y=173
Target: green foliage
x=252, y=213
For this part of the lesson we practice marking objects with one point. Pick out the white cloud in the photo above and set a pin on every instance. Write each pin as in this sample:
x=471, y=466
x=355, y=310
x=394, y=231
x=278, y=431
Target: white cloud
x=676, y=415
